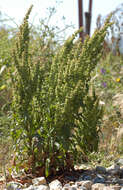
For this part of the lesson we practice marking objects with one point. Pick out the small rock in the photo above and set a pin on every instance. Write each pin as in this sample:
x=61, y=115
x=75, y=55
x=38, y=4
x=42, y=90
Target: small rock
x=114, y=169
x=114, y=166
x=116, y=187
x=119, y=161
x=87, y=184
x=40, y=187
x=101, y=169
x=98, y=186
x=107, y=188
x=55, y=185
x=68, y=187
x=73, y=187
x=71, y=183
x=112, y=188
x=14, y=186
x=31, y=187
x=82, y=188
x=65, y=188
x=120, y=181
x=39, y=181
x=26, y=185
x=79, y=183
x=2, y=179
x=114, y=180
x=121, y=168
x=99, y=179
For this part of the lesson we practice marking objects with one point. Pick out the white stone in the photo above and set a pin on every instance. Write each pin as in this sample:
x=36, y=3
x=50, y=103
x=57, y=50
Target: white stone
x=120, y=160
x=116, y=187
x=66, y=185
x=102, y=187
x=40, y=187
x=79, y=183
x=110, y=168
x=14, y=185
x=82, y=188
x=66, y=188
x=114, y=169
x=39, y=181
x=98, y=186
x=107, y=188
x=55, y=185
x=2, y=179
x=112, y=188
x=31, y=187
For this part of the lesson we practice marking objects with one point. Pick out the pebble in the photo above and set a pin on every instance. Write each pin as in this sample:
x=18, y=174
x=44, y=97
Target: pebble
x=98, y=186
x=87, y=184
x=119, y=161
x=14, y=186
x=40, y=187
x=55, y=185
x=73, y=187
x=82, y=188
x=114, y=169
x=99, y=180
x=39, y=181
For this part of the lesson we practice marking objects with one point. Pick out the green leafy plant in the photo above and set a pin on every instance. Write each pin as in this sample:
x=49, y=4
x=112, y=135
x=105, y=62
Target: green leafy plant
x=51, y=105
x=89, y=125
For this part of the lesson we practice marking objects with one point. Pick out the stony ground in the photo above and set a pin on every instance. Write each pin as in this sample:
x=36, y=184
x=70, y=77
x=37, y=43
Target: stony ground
x=98, y=178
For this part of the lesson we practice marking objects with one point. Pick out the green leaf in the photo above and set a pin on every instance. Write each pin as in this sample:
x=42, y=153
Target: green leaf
x=47, y=165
